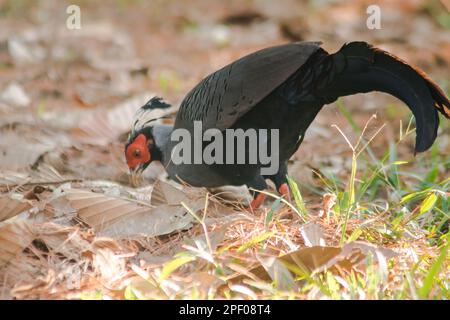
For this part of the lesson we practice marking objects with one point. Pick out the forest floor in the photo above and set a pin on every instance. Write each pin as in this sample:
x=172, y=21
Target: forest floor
x=361, y=225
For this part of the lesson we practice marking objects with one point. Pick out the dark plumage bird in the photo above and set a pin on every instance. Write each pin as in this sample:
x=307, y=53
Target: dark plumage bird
x=281, y=87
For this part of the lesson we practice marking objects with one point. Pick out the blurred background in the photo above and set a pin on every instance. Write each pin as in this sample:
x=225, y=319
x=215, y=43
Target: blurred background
x=67, y=95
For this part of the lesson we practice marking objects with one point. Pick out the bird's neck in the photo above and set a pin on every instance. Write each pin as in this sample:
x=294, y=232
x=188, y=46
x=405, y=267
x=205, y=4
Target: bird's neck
x=161, y=134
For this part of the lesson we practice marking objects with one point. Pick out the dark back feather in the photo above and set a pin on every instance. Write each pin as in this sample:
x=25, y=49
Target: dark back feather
x=226, y=95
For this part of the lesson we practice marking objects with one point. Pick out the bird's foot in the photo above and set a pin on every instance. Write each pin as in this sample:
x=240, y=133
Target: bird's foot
x=257, y=202
x=285, y=192
x=259, y=199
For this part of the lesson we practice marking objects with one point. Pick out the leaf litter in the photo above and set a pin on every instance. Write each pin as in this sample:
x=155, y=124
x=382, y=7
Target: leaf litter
x=71, y=225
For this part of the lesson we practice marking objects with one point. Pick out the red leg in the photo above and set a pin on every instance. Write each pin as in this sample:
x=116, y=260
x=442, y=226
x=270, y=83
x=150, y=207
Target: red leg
x=259, y=199
x=284, y=190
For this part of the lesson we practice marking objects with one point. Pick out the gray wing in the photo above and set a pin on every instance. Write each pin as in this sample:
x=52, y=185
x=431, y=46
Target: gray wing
x=224, y=96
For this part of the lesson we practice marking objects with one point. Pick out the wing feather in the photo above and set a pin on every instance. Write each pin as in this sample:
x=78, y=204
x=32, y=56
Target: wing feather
x=224, y=96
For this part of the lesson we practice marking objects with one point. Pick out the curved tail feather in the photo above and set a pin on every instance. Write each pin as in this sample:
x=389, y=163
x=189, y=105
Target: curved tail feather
x=358, y=68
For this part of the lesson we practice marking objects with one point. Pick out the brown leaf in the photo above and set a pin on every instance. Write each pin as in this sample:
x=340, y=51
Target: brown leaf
x=118, y=217
x=10, y=207
x=312, y=234
x=143, y=288
x=310, y=259
x=15, y=235
x=96, y=128
x=353, y=255
x=318, y=259
x=329, y=200
x=166, y=193
x=67, y=241
x=278, y=272
x=108, y=264
x=20, y=152
x=121, y=116
x=9, y=179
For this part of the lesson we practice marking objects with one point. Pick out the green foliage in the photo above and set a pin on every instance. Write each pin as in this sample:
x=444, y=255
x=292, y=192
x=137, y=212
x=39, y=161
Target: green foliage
x=297, y=197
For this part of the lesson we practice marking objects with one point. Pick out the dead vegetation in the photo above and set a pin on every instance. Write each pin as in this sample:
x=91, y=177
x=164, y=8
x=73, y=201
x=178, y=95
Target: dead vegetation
x=72, y=226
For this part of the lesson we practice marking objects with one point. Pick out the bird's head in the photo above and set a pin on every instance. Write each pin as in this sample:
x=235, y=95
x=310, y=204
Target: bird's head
x=139, y=150
x=143, y=146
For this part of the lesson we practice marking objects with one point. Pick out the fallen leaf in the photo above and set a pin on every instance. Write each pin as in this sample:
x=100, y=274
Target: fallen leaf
x=353, y=255
x=232, y=194
x=12, y=205
x=15, y=235
x=101, y=127
x=121, y=116
x=311, y=259
x=140, y=288
x=312, y=234
x=66, y=241
x=329, y=200
x=278, y=272
x=166, y=193
x=116, y=216
x=20, y=152
x=316, y=259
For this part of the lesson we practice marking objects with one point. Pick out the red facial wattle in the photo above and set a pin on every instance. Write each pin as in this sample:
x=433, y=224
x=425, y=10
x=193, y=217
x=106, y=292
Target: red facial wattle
x=137, y=152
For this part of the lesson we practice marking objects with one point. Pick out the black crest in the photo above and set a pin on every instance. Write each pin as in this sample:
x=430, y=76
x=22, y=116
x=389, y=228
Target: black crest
x=149, y=114
x=155, y=103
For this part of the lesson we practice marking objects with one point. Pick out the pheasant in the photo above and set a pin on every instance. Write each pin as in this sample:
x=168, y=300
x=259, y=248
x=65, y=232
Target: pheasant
x=279, y=88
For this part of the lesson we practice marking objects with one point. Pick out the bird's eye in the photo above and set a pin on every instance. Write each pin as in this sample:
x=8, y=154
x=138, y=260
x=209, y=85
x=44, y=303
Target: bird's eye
x=137, y=153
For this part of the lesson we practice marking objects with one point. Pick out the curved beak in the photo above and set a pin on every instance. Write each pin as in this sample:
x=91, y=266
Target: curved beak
x=136, y=175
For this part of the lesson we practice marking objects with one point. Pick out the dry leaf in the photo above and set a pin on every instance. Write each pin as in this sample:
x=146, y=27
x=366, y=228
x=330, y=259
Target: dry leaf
x=15, y=235
x=142, y=288
x=66, y=241
x=11, y=178
x=277, y=272
x=96, y=128
x=20, y=152
x=232, y=194
x=12, y=206
x=110, y=265
x=312, y=234
x=318, y=259
x=310, y=259
x=329, y=200
x=118, y=216
x=166, y=193
x=353, y=255
x=120, y=117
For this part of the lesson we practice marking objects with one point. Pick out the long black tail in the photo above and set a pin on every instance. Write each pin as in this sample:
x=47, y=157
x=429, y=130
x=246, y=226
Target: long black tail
x=358, y=67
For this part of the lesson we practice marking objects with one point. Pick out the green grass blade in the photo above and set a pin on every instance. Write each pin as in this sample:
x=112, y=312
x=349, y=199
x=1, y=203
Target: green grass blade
x=430, y=279
x=297, y=197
